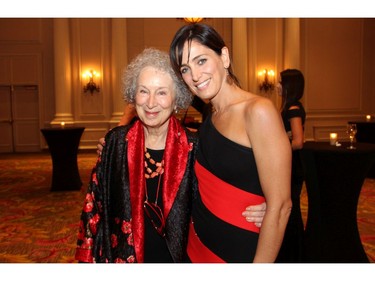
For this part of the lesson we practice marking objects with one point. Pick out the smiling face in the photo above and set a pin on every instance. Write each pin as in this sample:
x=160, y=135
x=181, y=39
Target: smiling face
x=155, y=97
x=203, y=70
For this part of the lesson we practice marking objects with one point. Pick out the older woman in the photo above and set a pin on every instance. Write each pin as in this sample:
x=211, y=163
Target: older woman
x=138, y=203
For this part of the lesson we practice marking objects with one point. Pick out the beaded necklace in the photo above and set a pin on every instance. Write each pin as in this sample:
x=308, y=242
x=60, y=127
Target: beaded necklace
x=158, y=166
x=152, y=209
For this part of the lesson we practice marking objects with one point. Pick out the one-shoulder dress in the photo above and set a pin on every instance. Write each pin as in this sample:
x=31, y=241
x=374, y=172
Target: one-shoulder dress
x=228, y=183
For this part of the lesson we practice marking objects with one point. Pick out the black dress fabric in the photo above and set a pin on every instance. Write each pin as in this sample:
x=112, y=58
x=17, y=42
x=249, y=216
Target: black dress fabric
x=234, y=164
x=156, y=249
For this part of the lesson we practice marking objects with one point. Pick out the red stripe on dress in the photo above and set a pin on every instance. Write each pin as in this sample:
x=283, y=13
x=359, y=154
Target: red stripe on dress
x=197, y=251
x=226, y=201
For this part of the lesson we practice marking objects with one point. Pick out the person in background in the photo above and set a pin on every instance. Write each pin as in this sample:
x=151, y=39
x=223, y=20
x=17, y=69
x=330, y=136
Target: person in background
x=243, y=158
x=129, y=115
x=291, y=88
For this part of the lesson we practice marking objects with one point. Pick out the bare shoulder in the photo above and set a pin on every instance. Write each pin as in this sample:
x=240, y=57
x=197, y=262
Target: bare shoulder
x=264, y=126
x=258, y=106
x=262, y=118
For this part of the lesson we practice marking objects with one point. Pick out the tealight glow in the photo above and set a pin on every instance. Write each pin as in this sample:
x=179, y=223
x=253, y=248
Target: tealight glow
x=332, y=138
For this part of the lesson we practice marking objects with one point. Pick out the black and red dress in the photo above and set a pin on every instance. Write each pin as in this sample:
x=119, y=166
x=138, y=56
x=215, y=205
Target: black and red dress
x=228, y=183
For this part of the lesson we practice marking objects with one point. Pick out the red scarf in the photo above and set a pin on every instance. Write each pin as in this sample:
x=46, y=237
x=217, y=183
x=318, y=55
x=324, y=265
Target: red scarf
x=175, y=160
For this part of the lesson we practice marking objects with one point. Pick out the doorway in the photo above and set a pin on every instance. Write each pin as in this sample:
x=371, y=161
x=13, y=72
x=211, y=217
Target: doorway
x=19, y=118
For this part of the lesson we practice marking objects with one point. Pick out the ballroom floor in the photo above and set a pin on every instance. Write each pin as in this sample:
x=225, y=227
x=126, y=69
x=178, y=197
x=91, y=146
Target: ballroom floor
x=40, y=226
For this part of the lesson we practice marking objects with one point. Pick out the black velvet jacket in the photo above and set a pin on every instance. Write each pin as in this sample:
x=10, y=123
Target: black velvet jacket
x=112, y=220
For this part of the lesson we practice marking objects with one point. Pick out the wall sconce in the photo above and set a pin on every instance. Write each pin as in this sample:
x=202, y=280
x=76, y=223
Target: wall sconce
x=266, y=80
x=193, y=20
x=91, y=85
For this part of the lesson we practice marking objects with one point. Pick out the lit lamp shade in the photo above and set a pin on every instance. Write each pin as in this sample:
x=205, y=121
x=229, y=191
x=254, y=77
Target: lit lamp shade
x=193, y=20
x=266, y=80
x=91, y=86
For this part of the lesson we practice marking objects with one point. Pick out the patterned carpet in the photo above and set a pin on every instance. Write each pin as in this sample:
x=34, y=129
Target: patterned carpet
x=39, y=226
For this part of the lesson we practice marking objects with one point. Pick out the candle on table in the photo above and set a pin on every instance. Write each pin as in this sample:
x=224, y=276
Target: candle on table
x=368, y=117
x=62, y=124
x=332, y=138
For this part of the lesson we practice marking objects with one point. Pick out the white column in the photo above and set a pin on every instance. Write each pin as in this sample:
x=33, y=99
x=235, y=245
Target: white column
x=292, y=58
x=240, y=51
x=119, y=62
x=63, y=90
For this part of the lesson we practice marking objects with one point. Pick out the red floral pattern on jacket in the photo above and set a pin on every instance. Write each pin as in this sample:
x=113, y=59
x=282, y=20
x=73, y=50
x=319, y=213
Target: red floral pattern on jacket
x=111, y=231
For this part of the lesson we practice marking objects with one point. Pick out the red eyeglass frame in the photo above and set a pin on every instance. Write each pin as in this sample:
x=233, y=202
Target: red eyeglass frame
x=160, y=228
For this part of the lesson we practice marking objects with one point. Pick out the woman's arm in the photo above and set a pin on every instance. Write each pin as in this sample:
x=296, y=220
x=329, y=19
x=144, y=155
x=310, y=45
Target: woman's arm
x=272, y=153
x=297, y=131
x=89, y=221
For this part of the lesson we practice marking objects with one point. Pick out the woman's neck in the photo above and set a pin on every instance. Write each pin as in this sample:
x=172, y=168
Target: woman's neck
x=155, y=138
x=225, y=99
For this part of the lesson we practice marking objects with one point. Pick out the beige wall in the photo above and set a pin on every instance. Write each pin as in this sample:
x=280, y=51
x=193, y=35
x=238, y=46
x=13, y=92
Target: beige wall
x=336, y=56
x=336, y=60
x=26, y=59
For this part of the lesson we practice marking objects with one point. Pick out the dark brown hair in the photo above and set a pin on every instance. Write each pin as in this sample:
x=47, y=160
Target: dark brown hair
x=203, y=34
x=293, y=84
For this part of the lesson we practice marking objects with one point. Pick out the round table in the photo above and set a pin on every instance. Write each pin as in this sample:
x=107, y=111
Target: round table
x=63, y=145
x=334, y=176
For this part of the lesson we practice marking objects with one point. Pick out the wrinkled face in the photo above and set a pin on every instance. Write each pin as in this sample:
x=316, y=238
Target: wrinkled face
x=155, y=97
x=203, y=70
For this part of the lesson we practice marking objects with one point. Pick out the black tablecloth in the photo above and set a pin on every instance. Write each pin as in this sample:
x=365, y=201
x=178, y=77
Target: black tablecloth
x=334, y=178
x=63, y=145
